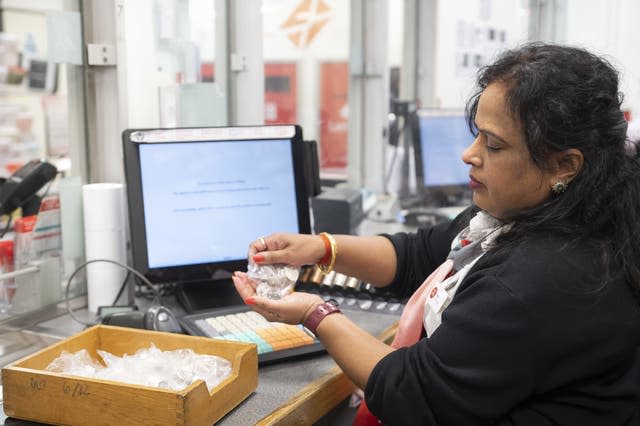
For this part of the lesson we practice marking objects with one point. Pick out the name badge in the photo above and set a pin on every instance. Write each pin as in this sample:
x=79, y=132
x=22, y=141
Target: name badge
x=438, y=298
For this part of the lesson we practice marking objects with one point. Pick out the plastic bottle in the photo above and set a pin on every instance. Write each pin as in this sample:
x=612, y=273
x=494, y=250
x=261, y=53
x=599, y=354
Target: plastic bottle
x=7, y=286
x=27, y=295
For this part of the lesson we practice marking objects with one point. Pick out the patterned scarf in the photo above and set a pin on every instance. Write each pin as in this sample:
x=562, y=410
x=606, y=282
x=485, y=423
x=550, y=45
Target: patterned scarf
x=466, y=249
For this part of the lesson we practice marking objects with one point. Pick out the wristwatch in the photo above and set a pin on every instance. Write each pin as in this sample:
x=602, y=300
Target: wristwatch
x=322, y=310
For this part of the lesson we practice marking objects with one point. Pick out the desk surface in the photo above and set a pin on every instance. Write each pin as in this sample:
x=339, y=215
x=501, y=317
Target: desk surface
x=284, y=388
x=301, y=389
x=298, y=391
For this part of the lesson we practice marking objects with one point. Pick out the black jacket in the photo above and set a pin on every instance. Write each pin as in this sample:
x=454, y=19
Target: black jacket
x=535, y=336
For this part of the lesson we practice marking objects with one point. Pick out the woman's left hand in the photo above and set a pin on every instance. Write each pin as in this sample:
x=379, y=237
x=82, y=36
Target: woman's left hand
x=294, y=308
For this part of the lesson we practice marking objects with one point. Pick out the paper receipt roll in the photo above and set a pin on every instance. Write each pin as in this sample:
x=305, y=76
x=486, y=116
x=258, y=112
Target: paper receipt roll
x=104, y=238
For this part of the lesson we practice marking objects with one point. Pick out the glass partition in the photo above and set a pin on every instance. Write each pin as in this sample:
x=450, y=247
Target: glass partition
x=37, y=102
x=42, y=142
x=306, y=55
x=171, y=64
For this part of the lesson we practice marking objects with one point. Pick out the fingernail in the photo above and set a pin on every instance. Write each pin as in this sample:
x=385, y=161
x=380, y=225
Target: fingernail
x=250, y=301
x=258, y=258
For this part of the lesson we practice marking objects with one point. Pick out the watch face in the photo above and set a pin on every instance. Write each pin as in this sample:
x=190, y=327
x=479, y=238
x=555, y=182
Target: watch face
x=334, y=302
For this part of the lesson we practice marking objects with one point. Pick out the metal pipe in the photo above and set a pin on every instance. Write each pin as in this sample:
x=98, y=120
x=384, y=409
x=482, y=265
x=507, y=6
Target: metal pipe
x=19, y=272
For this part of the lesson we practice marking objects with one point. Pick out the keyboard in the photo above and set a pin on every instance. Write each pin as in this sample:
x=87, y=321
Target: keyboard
x=278, y=341
x=274, y=340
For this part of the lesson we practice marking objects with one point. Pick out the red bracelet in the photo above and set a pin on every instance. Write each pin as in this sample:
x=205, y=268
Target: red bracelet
x=327, y=249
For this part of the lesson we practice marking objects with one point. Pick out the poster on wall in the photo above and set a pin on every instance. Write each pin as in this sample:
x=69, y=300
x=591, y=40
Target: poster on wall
x=280, y=95
x=334, y=115
x=475, y=46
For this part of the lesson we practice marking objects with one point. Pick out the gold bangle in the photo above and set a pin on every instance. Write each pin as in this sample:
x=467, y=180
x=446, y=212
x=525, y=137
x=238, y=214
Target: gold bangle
x=334, y=253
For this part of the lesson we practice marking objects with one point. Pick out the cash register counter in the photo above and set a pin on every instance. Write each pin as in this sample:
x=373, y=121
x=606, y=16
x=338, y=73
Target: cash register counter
x=296, y=391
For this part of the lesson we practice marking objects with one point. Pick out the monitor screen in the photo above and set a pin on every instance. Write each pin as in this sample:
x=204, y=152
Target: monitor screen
x=198, y=197
x=441, y=137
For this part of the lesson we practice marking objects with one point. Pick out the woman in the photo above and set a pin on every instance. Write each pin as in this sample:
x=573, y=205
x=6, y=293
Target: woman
x=534, y=316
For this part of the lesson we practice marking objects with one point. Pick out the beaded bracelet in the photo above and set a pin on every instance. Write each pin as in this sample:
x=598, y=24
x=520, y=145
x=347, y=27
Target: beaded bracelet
x=327, y=263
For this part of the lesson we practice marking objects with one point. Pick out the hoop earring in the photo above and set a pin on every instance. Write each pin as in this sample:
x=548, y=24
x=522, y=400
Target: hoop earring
x=558, y=188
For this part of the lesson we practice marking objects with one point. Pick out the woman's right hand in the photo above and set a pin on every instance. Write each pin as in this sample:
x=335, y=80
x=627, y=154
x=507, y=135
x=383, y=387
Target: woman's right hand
x=294, y=308
x=289, y=249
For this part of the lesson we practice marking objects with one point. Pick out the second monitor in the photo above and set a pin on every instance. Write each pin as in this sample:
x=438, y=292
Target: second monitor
x=440, y=137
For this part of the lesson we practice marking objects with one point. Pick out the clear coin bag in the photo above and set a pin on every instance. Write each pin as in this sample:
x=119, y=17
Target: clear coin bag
x=273, y=281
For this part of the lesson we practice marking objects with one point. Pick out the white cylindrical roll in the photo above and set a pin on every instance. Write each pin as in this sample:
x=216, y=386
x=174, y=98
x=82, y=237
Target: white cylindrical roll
x=104, y=238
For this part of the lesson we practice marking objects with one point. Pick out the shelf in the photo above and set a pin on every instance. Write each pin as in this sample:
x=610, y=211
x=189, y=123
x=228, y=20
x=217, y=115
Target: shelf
x=18, y=90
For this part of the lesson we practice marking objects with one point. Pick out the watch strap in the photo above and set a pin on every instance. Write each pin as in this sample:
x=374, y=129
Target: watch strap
x=319, y=313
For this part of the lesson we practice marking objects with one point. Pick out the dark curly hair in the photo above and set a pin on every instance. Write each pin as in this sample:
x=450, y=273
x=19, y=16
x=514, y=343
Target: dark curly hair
x=566, y=97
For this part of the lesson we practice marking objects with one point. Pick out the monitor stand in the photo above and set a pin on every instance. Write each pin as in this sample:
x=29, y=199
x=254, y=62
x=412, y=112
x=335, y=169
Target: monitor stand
x=206, y=295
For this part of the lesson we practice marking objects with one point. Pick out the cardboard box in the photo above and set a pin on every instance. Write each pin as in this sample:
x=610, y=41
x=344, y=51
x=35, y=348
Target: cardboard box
x=32, y=393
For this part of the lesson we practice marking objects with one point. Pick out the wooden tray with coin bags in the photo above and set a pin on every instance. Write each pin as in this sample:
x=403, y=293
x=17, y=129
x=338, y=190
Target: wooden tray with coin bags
x=32, y=393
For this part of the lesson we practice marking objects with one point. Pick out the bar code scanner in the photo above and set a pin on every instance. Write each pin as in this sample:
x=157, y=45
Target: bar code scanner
x=157, y=318
x=20, y=190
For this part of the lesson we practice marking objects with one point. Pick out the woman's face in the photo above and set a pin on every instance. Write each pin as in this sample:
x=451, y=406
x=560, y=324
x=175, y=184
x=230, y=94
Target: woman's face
x=504, y=178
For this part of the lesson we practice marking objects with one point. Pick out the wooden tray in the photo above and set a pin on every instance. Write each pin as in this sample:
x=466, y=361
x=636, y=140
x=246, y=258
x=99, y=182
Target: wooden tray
x=32, y=393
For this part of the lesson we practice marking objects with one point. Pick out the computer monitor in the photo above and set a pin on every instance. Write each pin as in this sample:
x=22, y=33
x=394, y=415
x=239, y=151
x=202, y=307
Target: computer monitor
x=440, y=137
x=199, y=196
